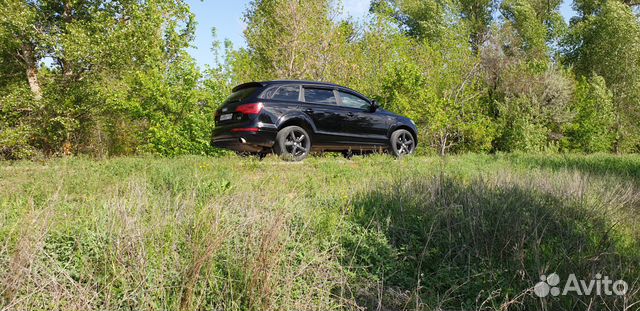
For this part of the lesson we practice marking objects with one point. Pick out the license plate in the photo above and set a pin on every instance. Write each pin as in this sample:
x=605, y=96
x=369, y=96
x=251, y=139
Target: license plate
x=226, y=116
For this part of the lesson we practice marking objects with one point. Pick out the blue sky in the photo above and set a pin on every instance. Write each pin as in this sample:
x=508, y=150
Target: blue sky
x=226, y=17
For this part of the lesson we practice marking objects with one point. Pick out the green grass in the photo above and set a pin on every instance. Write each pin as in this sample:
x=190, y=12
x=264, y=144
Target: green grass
x=470, y=232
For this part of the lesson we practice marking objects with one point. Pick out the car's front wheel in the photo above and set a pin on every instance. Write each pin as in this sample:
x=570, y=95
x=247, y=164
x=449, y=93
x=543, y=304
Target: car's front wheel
x=402, y=143
x=293, y=143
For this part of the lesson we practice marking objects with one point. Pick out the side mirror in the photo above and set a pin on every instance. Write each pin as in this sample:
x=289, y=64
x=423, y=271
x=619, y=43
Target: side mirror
x=374, y=106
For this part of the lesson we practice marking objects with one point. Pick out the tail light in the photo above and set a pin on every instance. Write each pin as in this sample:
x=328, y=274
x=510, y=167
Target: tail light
x=250, y=108
x=218, y=113
x=245, y=129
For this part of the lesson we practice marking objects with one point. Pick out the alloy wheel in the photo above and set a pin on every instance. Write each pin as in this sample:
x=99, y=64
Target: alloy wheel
x=293, y=143
x=296, y=143
x=403, y=143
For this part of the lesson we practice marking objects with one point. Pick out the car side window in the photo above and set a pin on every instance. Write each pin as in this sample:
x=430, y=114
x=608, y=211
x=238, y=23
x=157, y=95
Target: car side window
x=353, y=101
x=287, y=92
x=319, y=96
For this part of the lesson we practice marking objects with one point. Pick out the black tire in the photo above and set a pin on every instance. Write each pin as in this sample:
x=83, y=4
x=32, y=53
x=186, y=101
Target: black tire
x=293, y=143
x=402, y=143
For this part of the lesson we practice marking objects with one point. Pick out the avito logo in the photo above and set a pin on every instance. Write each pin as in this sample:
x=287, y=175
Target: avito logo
x=549, y=284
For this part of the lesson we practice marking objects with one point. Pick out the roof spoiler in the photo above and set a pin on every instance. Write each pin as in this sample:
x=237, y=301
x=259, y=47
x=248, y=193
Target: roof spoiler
x=247, y=85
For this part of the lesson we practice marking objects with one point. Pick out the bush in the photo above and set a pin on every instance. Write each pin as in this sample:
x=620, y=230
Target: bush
x=14, y=143
x=592, y=129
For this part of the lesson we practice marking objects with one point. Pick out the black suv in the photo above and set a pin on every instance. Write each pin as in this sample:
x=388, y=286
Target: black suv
x=293, y=118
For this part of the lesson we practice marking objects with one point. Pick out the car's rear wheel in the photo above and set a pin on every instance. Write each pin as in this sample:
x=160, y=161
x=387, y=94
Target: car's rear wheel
x=402, y=143
x=293, y=143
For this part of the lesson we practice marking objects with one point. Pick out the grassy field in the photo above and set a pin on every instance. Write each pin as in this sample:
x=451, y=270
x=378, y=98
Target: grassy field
x=470, y=232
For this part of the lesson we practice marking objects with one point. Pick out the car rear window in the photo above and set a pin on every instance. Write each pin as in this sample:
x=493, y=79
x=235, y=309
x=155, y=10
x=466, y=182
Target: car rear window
x=319, y=96
x=287, y=92
x=241, y=94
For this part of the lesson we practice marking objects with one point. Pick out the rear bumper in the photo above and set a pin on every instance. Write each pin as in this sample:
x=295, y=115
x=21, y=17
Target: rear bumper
x=224, y=137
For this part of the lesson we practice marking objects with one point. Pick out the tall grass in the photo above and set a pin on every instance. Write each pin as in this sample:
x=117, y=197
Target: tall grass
x=470, y=232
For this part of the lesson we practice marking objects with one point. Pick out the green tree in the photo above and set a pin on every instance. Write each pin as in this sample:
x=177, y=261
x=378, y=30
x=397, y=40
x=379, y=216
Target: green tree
x=592, y=129
x=439, y=86
x=86, y=97
x=529, y=98
x=537, y=23
x=605, y=40
x=478, y=14
x=433, y=18
x=421, y=19
x=288, y=39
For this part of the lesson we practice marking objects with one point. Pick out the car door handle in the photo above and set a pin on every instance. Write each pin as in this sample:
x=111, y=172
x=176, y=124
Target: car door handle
x=308, y=110
x=350, y=114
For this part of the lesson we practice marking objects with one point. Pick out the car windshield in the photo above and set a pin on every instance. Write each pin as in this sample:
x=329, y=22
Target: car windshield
x=240, y=94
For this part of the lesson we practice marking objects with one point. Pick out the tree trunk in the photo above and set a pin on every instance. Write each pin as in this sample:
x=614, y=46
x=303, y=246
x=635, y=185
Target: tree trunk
x=32, y=70
x=618, y=129
x=443, y=145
